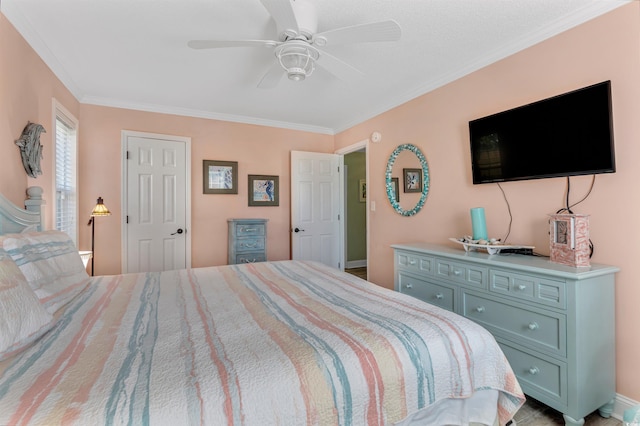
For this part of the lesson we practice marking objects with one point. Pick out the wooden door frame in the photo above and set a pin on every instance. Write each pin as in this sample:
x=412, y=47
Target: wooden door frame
x=343, y=226
x=125, y=134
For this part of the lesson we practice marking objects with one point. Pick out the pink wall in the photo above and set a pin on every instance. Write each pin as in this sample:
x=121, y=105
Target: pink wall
x=607, y=48
x=257, y=149
x=27, y=87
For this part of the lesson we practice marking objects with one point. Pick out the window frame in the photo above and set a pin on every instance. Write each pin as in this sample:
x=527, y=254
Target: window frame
x=60, y=113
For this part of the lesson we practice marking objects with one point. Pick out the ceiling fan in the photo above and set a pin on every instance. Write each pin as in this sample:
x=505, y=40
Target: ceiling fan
x=298, y=48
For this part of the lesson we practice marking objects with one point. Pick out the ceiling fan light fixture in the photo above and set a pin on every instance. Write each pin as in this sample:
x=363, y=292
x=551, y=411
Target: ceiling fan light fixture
x=297, y=58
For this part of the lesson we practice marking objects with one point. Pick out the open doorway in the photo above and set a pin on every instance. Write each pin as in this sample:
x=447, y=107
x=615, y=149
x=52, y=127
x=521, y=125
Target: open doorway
x=355, y=208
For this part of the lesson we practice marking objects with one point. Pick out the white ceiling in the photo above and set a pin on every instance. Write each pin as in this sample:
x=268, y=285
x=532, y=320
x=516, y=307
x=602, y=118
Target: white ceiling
x=134, y=54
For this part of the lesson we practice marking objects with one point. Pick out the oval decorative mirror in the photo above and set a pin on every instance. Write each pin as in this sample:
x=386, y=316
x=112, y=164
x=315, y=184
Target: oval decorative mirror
x=409, y=177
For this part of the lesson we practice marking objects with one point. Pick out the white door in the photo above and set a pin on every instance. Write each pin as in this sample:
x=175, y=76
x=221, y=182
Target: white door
x=156, y=202
x=315, y=207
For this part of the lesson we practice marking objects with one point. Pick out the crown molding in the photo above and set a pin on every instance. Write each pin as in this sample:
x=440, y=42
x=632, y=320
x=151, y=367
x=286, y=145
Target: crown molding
x=27, y=30
x=16, y=17
x=588, y=12
x=187, y=112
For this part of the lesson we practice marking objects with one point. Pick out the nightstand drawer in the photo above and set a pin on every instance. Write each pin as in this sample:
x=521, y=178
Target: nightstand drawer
x=528, y=287
x=415, y=262
x=543, y=331
x=247, y=240
x=251, y=257
x=243, y=229
x=249, y=244
x=464, y=274
x=540, y=378
x=426, y=291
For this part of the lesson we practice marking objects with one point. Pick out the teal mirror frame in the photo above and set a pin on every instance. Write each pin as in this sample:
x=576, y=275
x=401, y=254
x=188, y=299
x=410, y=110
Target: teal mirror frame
x=425, y=179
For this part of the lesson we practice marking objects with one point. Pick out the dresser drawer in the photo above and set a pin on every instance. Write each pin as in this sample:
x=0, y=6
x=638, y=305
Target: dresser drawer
x=249, y=244
x=247, y=240
x=555, y=324
x=414, y=262
x=528, y=287
x=244, y=229
x=545, y=379
x=250, y=257
x=473, y=275
x=435, y=294
x=540, y=330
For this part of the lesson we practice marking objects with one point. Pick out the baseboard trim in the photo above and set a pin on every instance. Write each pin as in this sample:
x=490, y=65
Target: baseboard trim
x=356, y=264
x=622, y=403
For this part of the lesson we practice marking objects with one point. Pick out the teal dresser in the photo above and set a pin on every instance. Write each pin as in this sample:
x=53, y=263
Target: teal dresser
x=554, y=323
x=247, y=240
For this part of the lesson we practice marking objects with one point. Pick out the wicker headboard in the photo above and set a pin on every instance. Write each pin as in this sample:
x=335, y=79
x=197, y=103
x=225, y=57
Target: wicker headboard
x=15, y=219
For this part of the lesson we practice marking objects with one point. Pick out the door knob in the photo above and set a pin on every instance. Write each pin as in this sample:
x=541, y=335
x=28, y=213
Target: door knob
x=179, y=231
x=298, y=230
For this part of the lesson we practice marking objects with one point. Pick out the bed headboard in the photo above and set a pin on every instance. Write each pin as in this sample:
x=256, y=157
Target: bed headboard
x=15, y=219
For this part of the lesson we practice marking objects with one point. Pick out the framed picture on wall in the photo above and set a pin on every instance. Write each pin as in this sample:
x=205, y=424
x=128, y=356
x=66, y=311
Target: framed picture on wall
x=412, y=180
x=362, y=190
x=264, y=190
x=219, y=177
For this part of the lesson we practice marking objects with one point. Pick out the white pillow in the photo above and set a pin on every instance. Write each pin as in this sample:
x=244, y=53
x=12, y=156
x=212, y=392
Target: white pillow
x=51, y=264
x=22, y=317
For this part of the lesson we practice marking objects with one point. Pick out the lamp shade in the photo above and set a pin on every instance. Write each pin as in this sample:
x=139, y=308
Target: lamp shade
x=100, y=209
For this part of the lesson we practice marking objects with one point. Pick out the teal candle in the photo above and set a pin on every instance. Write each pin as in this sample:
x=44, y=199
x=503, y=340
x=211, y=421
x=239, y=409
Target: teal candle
x=478, y=224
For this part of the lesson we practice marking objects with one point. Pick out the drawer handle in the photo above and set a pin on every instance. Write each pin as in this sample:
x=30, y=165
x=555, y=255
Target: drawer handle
x=249, y=260
x=412, y=262
x=439, y=296
x=250, y=229
x=457, y=272
x=249, y=245
x=408, y=286
x=522, y=287
x=533, y=326
x=480, y=309
x=534, y=370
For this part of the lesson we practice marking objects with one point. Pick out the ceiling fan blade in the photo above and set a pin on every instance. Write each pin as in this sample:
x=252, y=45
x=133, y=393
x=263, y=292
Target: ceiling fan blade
x=214, y=44
x=339, y=68
x=363, y=33
x=282, y=12
x=272, y=77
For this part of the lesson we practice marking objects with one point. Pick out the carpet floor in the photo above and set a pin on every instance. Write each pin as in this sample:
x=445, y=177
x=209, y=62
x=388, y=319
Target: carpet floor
x=534, y=413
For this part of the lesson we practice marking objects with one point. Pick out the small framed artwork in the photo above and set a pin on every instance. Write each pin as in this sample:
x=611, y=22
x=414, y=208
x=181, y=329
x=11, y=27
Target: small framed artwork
x=412, y=180
x=264, y=190
x=395, y=182
x=219, y=177
x=362, y=190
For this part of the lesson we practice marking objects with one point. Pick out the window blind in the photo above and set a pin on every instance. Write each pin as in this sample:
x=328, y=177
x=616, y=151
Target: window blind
x=66, y=194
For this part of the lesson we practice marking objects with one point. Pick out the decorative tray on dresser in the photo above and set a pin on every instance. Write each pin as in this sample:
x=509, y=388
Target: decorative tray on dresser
x=554, y=323
x=491, y=248
x=247, y=240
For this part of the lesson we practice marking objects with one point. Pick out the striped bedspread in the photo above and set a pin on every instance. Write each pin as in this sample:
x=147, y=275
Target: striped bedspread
x=274, y=343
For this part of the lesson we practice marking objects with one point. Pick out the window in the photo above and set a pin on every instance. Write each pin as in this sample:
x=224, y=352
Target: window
x=66, y=208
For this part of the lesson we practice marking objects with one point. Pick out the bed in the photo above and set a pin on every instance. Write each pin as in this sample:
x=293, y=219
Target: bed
x=271, y=343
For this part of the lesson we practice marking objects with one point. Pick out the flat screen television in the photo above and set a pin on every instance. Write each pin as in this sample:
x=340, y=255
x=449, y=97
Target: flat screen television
x=566, y=135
